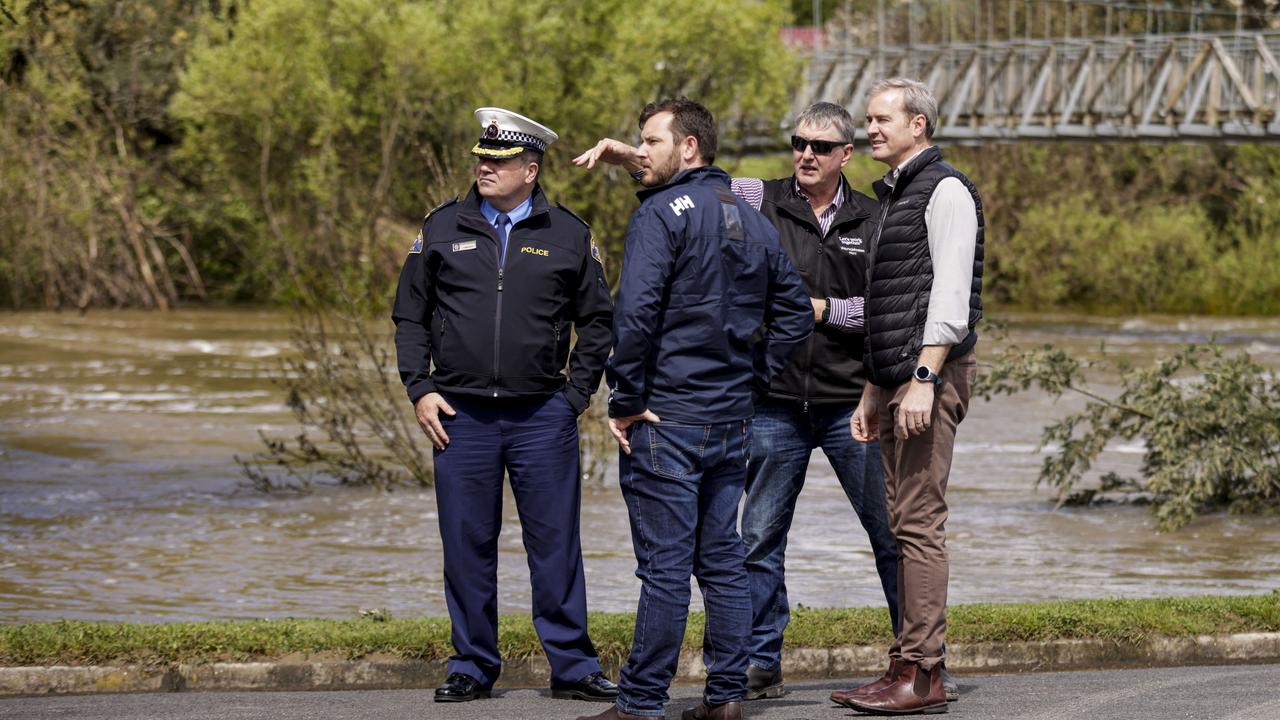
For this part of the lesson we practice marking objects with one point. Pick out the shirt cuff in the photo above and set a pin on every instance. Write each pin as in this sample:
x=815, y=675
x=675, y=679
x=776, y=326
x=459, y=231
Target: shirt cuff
x=845, y=313
x=941, y=333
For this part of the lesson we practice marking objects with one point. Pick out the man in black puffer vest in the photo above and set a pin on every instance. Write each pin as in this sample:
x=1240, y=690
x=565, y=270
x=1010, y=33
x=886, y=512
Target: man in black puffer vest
x=923, y=304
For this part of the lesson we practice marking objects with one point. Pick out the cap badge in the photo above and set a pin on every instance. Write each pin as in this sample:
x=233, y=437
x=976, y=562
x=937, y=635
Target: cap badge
x=491, y=132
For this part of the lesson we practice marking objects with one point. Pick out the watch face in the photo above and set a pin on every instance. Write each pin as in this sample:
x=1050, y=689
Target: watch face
x=922, y=373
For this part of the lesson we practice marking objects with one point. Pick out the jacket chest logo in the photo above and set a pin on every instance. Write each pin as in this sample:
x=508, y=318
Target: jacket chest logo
x=535, y=251
x=853, y=245
x=680, y=204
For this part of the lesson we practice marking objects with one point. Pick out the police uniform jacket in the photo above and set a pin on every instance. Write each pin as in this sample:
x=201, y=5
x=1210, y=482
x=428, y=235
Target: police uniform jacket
x=468, y=325
x=709, y=306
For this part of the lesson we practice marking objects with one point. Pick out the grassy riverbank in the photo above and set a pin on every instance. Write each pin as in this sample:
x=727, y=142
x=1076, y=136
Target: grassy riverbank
x=1122, y=621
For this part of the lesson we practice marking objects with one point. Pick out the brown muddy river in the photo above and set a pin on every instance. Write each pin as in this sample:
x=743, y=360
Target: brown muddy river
x=120, y=500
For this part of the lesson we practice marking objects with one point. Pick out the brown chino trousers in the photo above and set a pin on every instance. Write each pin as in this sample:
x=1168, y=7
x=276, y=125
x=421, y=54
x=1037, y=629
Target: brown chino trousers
x=915, y=473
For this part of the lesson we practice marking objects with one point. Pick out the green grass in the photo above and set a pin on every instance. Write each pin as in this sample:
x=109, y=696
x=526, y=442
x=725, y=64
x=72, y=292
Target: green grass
x=1121, y=621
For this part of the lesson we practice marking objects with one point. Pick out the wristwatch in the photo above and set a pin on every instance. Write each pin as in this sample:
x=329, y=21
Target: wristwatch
x=826, y=312
x=924, y=374
x=637, y=175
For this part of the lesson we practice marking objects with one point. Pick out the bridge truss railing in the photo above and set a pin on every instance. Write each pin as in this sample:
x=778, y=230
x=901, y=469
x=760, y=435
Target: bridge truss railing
x=1194, y=87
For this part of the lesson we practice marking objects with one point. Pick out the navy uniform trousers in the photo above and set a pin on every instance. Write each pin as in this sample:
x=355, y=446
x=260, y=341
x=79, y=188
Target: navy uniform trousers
x=536, y=442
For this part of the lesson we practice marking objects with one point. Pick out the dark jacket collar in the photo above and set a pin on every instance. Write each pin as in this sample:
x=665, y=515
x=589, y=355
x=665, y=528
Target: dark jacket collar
x=914, y=166
x=854, y=206
x=470, y=216
x=700, y=175
x=471, y=203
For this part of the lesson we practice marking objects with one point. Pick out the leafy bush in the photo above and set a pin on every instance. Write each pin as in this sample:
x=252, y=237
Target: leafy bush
x=356, y=425
x=1208, y=422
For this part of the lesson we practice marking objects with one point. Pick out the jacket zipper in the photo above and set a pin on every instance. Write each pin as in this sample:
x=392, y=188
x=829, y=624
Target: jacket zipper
x=884, y=215
x=808, y=355
x=497, y=314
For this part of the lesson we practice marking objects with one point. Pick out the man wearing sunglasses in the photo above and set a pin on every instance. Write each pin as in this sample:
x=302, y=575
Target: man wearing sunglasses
x=826, y=228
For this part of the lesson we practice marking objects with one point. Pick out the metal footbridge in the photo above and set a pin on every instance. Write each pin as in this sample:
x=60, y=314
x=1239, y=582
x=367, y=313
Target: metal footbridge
x=1194, y=86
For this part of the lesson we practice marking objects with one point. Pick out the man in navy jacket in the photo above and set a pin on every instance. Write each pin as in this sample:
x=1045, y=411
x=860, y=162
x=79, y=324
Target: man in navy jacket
x=709, y=309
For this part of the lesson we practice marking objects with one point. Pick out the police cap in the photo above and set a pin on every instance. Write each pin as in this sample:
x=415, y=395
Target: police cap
x=507, y=134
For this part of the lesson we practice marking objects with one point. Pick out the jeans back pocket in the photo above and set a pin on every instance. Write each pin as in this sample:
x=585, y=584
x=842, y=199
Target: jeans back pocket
x=676, y=450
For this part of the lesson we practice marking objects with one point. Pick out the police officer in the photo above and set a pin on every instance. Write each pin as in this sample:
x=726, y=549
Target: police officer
x=487, y=297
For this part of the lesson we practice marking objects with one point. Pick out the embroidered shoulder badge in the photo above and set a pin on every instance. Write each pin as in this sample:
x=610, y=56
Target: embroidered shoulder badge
x=416, y=247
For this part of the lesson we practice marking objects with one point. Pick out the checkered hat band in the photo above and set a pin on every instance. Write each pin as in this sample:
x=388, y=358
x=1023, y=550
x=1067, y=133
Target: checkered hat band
x=519, y=138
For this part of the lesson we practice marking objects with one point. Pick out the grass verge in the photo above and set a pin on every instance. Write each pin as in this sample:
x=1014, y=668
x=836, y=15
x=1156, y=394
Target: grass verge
x=1122, y=621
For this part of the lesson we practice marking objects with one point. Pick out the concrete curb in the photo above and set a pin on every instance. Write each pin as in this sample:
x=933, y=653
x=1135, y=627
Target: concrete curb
x=800, y=664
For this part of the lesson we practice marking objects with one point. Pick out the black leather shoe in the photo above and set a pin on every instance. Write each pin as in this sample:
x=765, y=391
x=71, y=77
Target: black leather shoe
x=703, y=711
x=763, y=683
x=949, y=686
x=460, y=688
x=594, y=687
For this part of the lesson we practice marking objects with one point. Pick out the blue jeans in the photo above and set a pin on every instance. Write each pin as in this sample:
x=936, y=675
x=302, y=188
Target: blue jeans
x=682, y=483
x=783, y=438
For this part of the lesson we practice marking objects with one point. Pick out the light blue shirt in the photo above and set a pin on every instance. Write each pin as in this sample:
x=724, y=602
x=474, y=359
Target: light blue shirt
x=518, y=213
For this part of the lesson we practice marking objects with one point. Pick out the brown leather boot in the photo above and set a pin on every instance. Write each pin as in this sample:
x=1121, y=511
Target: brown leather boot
x=915, y=691
x=613, y=713
x=727, y=711
x=842, y=697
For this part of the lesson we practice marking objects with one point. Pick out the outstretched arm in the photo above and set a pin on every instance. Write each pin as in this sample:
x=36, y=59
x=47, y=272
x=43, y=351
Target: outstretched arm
x=613, y=152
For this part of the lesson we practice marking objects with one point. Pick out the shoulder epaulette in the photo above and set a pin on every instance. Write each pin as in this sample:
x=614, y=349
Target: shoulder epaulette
x=574, y=215
x=438, y=208
x=416, y=247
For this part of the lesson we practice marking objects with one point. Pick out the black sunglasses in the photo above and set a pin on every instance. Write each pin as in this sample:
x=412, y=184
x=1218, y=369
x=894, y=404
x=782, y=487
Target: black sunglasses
x=820, y=147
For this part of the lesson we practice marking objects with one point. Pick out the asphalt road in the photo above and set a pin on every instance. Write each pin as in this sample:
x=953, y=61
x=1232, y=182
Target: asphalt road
x=1201, y=693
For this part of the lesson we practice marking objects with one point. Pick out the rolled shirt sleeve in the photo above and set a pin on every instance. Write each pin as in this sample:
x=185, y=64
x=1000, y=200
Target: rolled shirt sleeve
x=952, y=221
x=751, y=190
x=846, y=313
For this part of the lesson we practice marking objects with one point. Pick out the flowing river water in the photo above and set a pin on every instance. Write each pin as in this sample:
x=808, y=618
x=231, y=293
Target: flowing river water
x=120, y=498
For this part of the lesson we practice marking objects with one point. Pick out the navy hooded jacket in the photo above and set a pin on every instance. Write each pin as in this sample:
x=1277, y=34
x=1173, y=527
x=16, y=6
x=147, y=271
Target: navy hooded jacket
x=709, y=308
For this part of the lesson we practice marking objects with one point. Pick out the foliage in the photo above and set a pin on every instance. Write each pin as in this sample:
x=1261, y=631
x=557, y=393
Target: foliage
x=1207, y=420
x=1120, y=621
x=186, y=150
x=341, y=386
x=182, y=150
x=369, y=93
x=86, y=211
